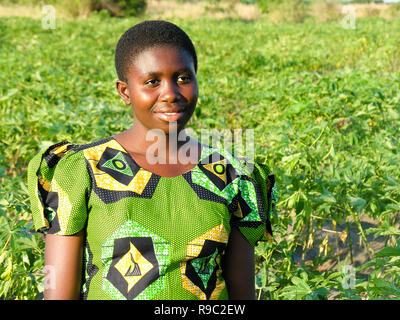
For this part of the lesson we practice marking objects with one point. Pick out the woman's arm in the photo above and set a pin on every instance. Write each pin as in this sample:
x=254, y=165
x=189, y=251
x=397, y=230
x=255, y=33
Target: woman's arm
x=63, y=261
x=238, y=267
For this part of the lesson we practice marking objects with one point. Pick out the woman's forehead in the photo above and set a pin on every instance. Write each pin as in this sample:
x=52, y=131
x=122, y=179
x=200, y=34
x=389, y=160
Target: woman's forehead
x=160, y=59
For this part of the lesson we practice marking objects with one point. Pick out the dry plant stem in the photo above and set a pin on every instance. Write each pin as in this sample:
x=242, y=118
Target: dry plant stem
x=6, y=244
x=336, y=237
x=259, y=294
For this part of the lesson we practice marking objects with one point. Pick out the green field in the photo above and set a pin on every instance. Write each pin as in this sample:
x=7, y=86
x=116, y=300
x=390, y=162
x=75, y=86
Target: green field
x=324, y=102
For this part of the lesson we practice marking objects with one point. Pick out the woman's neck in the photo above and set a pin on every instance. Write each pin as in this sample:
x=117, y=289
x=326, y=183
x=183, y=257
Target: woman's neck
x=156, y=147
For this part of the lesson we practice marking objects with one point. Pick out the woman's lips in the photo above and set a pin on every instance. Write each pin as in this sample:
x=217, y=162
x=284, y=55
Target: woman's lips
x=169, y=116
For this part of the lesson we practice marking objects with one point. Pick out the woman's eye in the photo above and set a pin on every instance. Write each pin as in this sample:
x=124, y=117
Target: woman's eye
x=151, y=82
x=184, y=79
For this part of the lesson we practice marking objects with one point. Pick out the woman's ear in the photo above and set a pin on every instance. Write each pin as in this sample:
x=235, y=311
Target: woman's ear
x=123, y=91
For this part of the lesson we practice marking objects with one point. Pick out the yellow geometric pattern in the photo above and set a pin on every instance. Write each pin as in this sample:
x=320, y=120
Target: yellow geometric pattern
x=140, y=181
x=238, y=212
x=60, y=151
x=46, y=185
x=217, y=234
x=193, y=249
x=211, y=167
x=133, y=266
x=104, y=180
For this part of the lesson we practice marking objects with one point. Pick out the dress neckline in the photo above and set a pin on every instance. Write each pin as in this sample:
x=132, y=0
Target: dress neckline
x=202, y=152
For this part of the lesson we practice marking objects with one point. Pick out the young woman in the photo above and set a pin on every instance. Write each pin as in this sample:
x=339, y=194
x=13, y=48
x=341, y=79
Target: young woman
x=129, y=217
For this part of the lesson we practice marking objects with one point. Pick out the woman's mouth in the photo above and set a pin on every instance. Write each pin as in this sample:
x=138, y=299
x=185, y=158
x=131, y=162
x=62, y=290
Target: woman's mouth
x=169, y=116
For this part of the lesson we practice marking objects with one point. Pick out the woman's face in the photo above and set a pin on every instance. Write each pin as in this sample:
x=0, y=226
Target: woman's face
x=162, y=88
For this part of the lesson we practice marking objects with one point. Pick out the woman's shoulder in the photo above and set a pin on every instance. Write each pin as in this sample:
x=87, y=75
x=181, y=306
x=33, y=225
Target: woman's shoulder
x=243, y=166
x=66, y=149
x=91, y=145
x=58, y=185
x=61, y=156
x=250, y=189
x=49, y=158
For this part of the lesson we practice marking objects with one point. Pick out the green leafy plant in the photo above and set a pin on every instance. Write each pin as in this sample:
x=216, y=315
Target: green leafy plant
x=21, y=252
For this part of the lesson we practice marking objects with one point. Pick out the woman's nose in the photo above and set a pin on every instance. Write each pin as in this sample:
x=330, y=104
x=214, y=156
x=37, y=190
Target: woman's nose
x=170, y=92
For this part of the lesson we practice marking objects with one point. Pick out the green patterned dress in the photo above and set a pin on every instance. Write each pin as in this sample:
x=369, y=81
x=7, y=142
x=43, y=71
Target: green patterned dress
x=147, y=236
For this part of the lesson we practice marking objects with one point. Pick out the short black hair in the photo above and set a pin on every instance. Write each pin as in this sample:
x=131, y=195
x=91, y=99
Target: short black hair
x=147, y=34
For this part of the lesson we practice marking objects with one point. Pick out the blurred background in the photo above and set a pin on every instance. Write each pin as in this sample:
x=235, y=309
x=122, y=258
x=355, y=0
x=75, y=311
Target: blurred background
x=273, y=10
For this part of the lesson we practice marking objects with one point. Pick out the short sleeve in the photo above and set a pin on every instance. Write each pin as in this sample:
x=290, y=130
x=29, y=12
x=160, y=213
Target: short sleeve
x=255, y=201
x=59, y=186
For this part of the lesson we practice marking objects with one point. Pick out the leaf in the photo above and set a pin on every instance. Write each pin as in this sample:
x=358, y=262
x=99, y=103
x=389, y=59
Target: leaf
x=269, y=288
x=359, y=203
x=24, y=243
x=388, y=252
x=300, y=288
x=6, y=275
x=326, y=196
x=24, y=187
x=318, y=294
x=261, y=279
x=25, y=258
x=5, y=288
x=10, y=93
x=385, y=287
x=331, y=152
x=3, y=256
x=296, y=280
x=292, y=158
x=384, y=230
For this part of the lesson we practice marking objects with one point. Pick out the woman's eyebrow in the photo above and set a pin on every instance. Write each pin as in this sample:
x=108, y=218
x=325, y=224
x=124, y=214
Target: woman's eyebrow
x=157, y=73
x=151, y=74
x=184, y=70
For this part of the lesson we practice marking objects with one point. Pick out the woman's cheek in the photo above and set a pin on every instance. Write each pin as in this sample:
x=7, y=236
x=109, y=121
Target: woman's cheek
x=144, y=100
